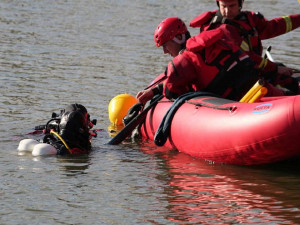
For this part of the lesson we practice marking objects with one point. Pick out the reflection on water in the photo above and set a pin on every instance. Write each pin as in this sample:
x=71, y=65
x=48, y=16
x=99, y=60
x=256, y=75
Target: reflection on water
x=74, y=164
x=113, y=129
x=203, y=193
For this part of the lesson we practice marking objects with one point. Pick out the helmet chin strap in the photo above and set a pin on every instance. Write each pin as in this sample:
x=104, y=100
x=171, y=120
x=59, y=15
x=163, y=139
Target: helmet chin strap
x=178, y=41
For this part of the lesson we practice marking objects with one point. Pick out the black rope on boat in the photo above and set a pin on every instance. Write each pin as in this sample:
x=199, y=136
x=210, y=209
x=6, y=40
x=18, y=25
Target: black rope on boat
x=210, y=106
x=163, y=130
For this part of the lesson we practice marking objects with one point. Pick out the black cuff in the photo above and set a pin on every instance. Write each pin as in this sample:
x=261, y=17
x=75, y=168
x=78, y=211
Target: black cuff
x=158, y=89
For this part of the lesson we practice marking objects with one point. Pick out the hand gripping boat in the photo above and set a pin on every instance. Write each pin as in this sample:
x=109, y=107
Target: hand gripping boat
x=225, y=131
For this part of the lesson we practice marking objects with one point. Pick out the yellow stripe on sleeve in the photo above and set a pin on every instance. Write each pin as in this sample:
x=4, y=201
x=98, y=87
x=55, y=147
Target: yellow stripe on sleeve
x=263, y=63
x=244, y=46
x=288, y=22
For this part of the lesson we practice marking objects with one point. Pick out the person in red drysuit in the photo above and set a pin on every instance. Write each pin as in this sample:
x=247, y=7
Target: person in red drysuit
x=208, y=62
x=252, y=28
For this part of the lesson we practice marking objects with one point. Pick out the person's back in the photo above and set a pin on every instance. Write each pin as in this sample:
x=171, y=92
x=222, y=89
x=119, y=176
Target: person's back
x=211, y=62
x=236, y=72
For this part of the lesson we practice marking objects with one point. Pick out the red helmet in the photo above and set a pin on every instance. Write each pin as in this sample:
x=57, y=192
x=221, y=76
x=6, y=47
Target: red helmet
x=240, y=2
x=168, y=29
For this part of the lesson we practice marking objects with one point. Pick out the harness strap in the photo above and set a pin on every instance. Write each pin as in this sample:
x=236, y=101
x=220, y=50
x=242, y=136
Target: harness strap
x=62, y=140
x=234, y=59
x=218, y=18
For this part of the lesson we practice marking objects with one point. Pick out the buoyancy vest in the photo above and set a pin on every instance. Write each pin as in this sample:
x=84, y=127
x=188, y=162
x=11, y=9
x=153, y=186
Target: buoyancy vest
x=212, y=64
x=243, y=23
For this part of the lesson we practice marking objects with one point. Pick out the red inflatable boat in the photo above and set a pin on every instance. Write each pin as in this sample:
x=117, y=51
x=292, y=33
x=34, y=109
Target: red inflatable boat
x=226, y=131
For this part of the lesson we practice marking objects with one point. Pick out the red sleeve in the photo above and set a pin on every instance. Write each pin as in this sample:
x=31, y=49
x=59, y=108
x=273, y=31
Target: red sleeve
x=264, y=65
x=272, y=28
x=202, y=19
x=159, y=79
x=180, y=75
